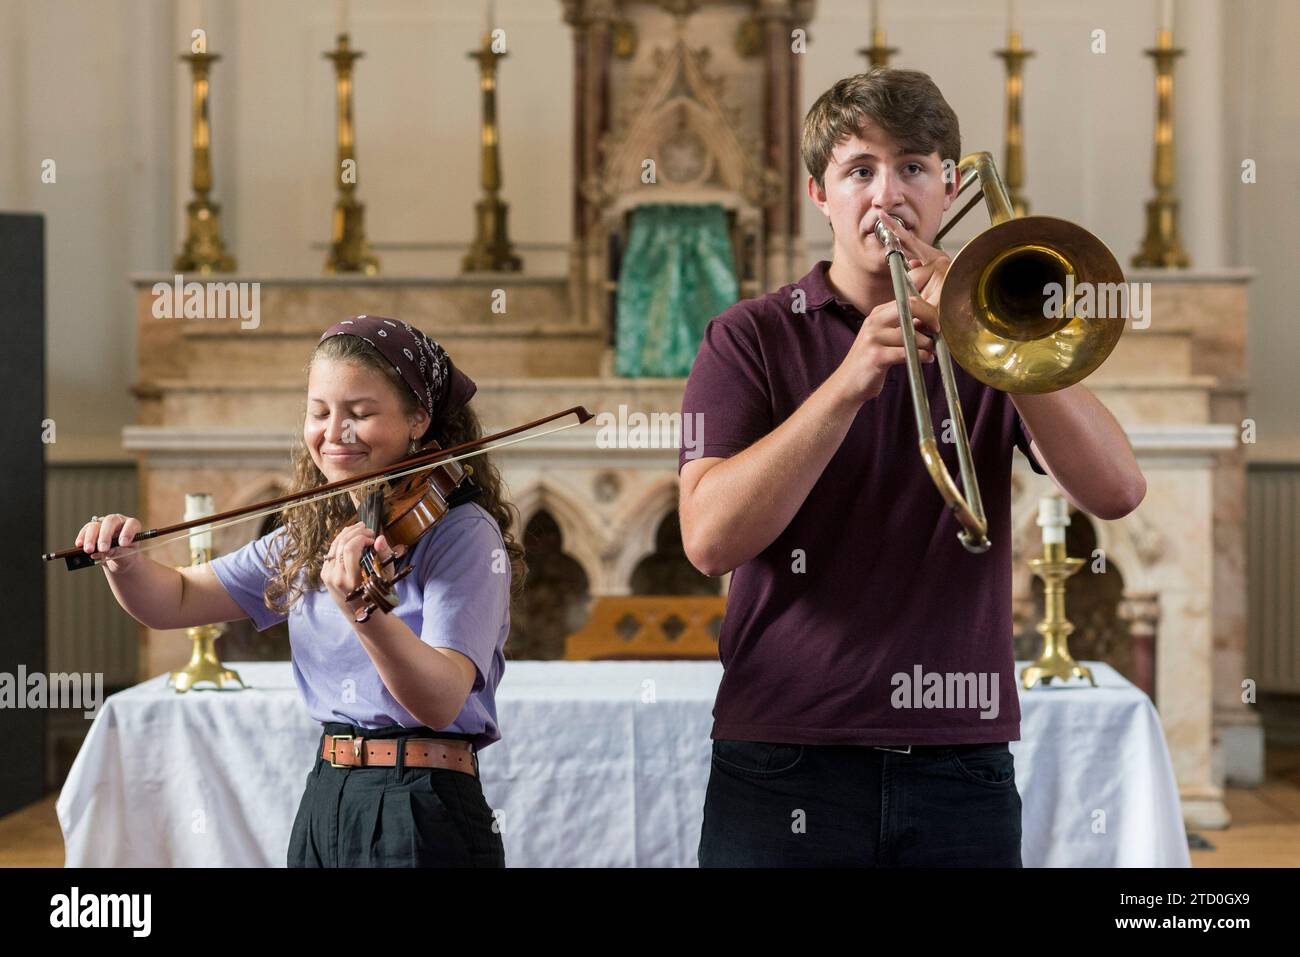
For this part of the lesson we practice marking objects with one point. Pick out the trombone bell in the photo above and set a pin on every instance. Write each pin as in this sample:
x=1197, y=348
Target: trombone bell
x=993, y=307
x=995, y=321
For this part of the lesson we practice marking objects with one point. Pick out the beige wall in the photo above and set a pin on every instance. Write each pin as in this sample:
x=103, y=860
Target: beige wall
x=1263, y=220
x=97, y=87
x=77, y=87
x=417, y=115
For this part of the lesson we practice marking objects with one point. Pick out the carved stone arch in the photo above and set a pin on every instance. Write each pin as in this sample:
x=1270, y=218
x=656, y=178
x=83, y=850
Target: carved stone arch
x=239, y=640
x=1129, y=543
x=261, y=489
x=680, y=114
x=582, y=542
x=636, y=528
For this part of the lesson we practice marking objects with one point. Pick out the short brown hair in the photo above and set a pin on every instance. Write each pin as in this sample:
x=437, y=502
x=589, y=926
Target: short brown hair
x=906, y=104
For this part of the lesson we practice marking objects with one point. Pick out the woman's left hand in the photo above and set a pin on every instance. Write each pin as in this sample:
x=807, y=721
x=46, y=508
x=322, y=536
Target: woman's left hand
x=341, y=573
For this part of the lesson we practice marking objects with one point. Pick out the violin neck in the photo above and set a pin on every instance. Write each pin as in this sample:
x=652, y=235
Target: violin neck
x=371, y=510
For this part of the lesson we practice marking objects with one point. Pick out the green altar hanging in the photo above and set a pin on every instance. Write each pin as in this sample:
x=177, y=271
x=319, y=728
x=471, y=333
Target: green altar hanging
x=677, y=273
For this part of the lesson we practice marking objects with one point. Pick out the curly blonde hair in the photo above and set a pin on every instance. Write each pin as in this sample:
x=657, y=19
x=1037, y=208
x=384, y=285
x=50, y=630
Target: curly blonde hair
x=311, y=527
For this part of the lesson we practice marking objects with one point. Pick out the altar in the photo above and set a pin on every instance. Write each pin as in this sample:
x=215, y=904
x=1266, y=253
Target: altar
x=601, y=764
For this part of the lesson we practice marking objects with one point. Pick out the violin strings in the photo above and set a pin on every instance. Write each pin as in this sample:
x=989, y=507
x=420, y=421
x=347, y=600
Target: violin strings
x=151, y=544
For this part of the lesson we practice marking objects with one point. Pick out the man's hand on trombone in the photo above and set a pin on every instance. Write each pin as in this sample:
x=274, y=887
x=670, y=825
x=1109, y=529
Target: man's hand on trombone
x=927, y=266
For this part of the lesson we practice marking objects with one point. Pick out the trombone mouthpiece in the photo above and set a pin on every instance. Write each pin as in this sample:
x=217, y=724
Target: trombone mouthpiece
x=886, y=235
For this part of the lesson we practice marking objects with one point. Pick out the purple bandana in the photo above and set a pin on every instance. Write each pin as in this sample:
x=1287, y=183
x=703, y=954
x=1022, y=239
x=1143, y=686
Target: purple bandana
x=423, y=364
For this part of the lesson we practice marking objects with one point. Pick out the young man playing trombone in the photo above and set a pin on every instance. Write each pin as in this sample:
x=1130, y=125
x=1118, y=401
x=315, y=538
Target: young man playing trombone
x=849, y=586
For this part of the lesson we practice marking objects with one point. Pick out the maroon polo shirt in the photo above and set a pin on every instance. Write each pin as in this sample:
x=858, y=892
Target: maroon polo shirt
x=868, y=581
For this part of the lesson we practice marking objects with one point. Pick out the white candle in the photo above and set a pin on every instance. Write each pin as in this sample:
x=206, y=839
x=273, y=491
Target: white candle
x=875, y=17
x=1053, y=517
x=197, y=505
x=491, y=15
x=1167, y=15
x=1013, y=17
x=341, y=26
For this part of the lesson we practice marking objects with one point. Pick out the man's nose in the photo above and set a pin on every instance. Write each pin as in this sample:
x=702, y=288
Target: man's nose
x=889, y=192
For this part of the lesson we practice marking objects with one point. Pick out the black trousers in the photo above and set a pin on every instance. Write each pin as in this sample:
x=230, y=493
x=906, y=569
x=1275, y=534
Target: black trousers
x=790, y=805
x=392, y=817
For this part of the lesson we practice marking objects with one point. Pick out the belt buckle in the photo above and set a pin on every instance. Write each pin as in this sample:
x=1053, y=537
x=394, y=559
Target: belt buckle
x=334, y=747
x=903, y=750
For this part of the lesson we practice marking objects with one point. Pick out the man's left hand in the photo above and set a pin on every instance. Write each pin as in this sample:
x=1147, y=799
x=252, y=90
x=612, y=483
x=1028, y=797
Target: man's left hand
x=927, y=265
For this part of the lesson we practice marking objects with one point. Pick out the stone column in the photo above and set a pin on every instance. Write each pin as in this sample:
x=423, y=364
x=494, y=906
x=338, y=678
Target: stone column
x=1239, y=735
x=1141, y=610
x=592, y=22
x=802, y=13
x=782, y=123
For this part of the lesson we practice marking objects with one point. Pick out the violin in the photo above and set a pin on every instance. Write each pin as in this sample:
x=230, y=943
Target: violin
x=404, y=513
x=432, y=484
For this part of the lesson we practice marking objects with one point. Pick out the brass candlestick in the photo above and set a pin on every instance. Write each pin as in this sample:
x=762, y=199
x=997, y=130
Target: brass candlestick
x=349, y=249
x=878, y=53
x=1162, y=245
x=491, y=250
x=204, y=665
x=1013, y=167
x=203, y=250
x=1054, y=568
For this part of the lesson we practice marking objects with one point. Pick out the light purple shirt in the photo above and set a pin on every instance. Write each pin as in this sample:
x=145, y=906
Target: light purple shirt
x=457, y=597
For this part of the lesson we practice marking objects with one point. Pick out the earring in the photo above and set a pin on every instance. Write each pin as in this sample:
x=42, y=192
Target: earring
x=413, y=447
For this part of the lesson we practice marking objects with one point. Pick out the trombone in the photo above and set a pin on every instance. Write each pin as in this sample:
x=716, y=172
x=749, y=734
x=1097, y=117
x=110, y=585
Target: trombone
x=993, y=321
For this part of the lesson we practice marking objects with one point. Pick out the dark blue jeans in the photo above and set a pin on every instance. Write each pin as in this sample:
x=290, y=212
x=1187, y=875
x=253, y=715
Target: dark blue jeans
x=792, y=805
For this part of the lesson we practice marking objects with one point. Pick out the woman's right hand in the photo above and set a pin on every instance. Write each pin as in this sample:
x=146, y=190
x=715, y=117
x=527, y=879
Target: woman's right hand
x=96, y=536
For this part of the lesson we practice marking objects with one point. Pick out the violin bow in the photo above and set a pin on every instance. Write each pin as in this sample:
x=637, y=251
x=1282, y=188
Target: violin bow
x=78, y=558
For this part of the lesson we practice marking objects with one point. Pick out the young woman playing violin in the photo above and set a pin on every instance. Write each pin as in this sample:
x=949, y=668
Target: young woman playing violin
x=406, y=699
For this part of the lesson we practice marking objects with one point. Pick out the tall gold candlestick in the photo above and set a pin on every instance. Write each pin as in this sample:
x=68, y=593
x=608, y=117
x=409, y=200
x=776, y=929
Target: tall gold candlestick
x=349, y=248
x=1013, y=167
x=1162, y=246
x=491, y=250
x=203, y=250
x=878, y=53
x=1054, y=568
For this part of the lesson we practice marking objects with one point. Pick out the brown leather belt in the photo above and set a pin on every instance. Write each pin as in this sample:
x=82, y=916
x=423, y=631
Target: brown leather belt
x=350, y=751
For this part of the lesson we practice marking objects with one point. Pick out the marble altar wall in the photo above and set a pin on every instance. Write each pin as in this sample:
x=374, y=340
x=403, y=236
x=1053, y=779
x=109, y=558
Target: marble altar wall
x=417, y=122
